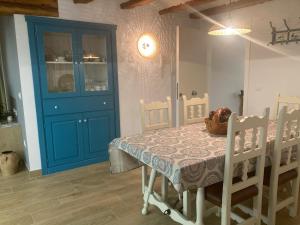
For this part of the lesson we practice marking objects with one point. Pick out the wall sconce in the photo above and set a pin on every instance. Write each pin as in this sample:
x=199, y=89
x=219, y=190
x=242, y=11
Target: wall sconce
x=147, y=45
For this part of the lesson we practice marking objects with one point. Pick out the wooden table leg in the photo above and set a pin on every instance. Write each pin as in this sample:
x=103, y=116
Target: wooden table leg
x=187, y=204
x=164, y=188
x=144, y=178
x=200, y=206
x=148, y=191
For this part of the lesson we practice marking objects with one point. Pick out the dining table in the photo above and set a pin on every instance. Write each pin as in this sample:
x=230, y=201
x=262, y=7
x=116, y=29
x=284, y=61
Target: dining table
x=189, y=157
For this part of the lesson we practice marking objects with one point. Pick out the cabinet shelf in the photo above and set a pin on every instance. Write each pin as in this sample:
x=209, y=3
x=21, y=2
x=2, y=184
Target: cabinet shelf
x=87, y=63
x=56, y=62
x=98, y=63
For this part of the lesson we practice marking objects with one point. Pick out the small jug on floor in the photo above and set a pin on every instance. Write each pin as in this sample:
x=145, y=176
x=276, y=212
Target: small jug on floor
x=9, y=163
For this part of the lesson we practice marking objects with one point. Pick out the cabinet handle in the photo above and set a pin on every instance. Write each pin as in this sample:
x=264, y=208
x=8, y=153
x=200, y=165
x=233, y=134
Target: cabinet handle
x=85, y=120
x=104, y=103
x=79, y=121
x=56, y=107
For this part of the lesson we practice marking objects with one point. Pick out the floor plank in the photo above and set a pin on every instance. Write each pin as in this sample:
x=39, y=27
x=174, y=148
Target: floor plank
x=84, y=196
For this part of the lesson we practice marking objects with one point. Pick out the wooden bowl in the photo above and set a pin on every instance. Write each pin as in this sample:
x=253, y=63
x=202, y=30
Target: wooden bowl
x=215, y=127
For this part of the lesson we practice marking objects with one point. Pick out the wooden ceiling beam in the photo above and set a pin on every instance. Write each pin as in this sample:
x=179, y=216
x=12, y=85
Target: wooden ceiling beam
x=183, y=6
x=134, y=3
x=227, y=8
x=29, y=7
x=82, y=1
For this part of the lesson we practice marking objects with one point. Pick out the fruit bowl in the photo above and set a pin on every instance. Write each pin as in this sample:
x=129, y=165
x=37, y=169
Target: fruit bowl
x=217, y=122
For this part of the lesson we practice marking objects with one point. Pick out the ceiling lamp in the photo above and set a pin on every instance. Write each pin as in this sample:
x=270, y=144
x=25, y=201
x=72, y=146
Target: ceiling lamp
x=218, y=30
x=227, y=31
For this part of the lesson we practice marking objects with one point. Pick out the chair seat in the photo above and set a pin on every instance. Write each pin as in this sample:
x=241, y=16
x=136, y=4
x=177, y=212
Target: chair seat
x=213, y=194
x=282, y=179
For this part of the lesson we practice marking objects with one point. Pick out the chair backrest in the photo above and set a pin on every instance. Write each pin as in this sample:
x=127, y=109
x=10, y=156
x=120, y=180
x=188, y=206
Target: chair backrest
x=246, y=141
x=292, y=102
x=156, y=115
x=287, y=137
x=195, y=109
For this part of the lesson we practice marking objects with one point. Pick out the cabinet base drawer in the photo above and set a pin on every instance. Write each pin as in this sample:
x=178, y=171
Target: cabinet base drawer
x=77, y=104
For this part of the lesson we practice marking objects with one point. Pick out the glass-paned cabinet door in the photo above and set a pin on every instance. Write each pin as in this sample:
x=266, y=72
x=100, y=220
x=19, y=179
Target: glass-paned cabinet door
x=59, y=75
x=95, y=62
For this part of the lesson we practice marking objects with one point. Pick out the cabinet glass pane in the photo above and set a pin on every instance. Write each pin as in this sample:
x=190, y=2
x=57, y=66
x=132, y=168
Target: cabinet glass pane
x=59, y=62
x=95, y=62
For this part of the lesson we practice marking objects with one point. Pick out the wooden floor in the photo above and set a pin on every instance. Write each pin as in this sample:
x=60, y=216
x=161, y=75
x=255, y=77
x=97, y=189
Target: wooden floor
x=84, y=196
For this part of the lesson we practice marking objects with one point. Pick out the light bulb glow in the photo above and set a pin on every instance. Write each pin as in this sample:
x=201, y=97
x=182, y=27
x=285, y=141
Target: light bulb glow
x=227, y=31
x=147, y=45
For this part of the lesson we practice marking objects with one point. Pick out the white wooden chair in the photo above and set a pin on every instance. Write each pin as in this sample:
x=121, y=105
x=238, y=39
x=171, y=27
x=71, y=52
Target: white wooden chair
x=235, y=190
x=285, y=165
x=292, y=102
x=155, y=115
x=195, y=109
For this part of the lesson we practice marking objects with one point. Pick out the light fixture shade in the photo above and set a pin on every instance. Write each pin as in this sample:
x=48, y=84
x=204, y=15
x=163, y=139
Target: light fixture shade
x=227, y=31
x=147, y=45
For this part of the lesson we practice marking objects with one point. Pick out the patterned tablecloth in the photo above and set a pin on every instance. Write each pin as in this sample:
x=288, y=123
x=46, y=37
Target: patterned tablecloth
x=188, y=156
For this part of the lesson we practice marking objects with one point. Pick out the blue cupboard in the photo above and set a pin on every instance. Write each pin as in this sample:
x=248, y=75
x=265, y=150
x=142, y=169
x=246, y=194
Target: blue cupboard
x=76, y=90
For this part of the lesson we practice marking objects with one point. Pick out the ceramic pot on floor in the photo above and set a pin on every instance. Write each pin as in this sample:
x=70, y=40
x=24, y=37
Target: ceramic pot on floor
x=9, y=163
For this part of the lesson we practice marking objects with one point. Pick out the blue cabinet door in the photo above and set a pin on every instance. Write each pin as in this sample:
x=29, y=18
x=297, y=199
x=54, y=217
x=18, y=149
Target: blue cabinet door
x=64, y=141
x=95, y=62
x=58, y=61
x=99, y=131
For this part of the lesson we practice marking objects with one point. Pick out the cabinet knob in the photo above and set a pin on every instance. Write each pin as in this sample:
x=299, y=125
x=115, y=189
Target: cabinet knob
x=85, y=120
x=76, y=63
x=79, y=121
x=104, y=103
x=56, y=107
x=81, y=62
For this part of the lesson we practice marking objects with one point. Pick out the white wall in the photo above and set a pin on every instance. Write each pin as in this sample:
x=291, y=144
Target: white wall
x=192, y=64
x=10, y=65
x=192, y=61
x=270, y=73
x=226, y=69
x=26, y=80
x=269, y=70
x=138, y=77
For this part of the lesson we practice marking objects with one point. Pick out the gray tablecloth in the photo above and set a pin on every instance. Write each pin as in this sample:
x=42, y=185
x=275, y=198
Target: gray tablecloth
x=188, y=156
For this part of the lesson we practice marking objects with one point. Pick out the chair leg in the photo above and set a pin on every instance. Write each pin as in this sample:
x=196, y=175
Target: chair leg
x=295, y=193
x=272, y=203
x=164, y=187
x=257, y=208
x=144, y=178
x=218, y=212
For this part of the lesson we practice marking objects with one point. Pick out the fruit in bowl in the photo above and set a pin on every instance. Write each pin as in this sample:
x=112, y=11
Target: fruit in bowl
x=217, y=121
